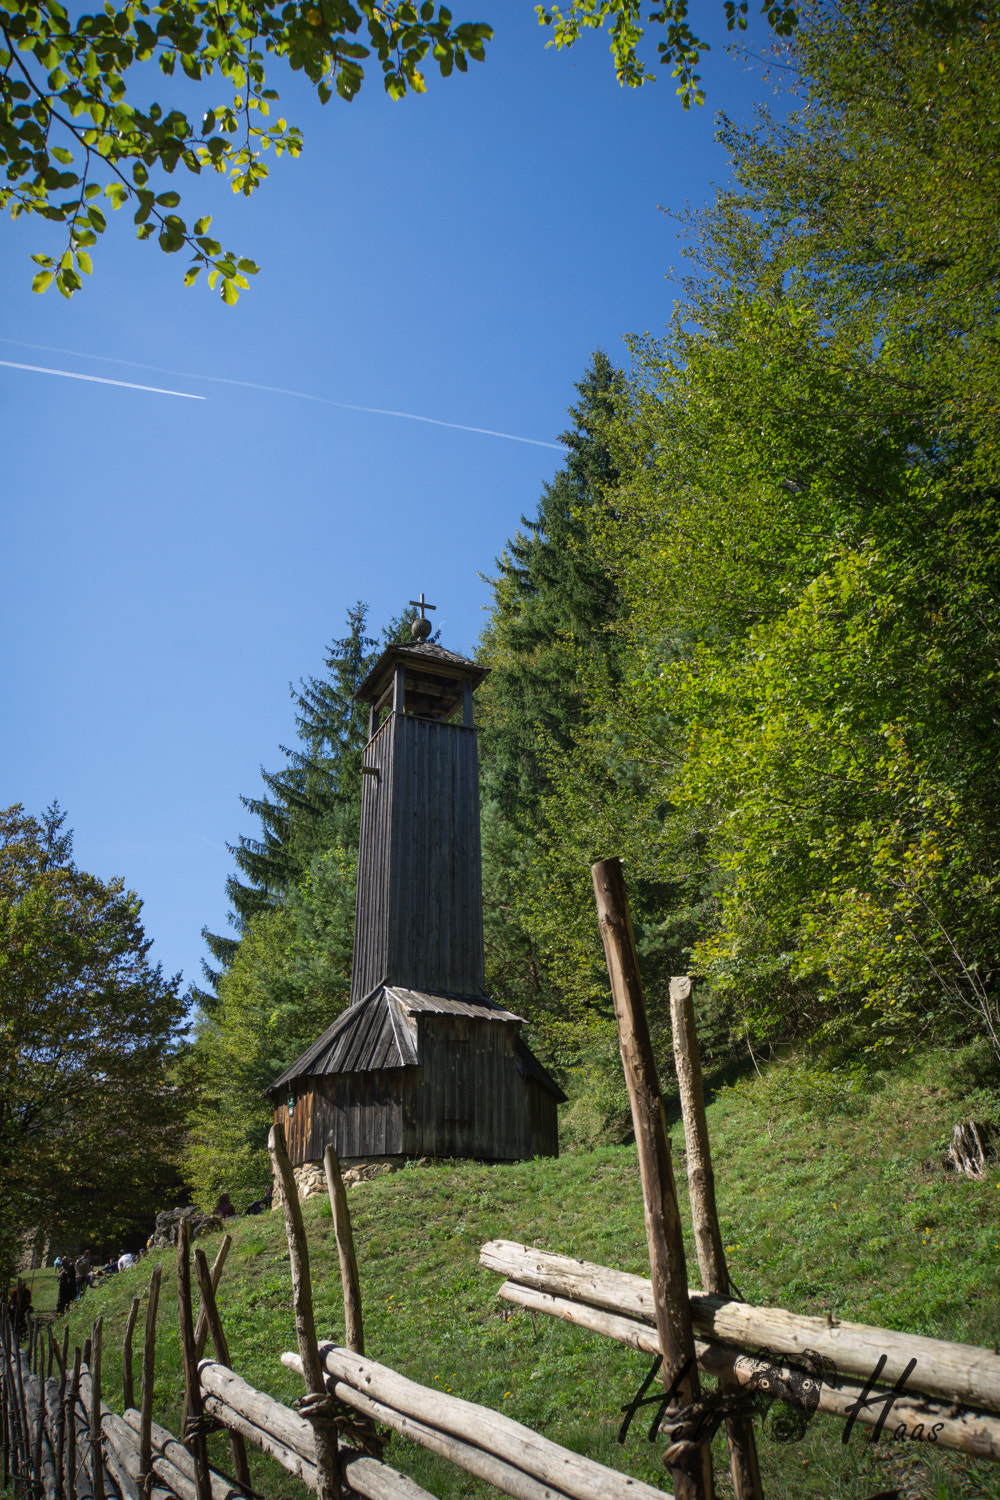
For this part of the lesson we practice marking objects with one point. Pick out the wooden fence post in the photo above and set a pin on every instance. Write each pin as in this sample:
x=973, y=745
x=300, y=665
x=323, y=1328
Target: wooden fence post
x=354, y=1330
x=96, y=1447
x=128, y=1386
x=71, y=1400
x=743, y=1465
x=148, y=1376
x=211, y=1310
x=327, y=1461
x=194, y=1433
x=691, y=1466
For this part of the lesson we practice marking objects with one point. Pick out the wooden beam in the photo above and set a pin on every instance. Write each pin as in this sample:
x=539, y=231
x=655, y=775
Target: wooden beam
x=959, y=1372
x=910, y=1416
x=692, y=1466
x=399, y=1401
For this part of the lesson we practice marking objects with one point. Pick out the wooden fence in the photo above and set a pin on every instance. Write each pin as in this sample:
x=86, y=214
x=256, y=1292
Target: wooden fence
x=60, y=1441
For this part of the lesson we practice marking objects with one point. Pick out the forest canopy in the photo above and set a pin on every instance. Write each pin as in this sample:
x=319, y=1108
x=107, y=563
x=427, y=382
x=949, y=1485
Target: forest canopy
x=749, y=640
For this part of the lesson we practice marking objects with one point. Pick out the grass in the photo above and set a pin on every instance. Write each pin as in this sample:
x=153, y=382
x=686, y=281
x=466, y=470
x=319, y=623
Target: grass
x=832, y=1199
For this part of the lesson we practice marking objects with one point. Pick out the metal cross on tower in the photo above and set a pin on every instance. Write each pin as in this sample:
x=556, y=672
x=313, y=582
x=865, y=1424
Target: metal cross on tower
x=421, y=627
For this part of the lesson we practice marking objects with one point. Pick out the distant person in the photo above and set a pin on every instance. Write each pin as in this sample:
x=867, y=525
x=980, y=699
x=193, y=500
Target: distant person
x=262, y=1205
x=67, y=1286
x=224, y=1209
x=20, y=1309
x=84, y=1273
x=126, y=1260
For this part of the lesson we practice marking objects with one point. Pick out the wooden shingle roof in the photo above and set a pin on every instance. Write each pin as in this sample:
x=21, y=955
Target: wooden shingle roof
x=377, y=1033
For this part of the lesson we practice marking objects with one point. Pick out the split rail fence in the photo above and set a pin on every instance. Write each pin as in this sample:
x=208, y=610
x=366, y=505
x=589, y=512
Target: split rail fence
x=61, y=1441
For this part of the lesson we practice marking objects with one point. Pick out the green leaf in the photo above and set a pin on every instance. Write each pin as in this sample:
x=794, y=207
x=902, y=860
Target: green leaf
x=42, y=281
x=191, y=275
x=229, y=293
x=168, y=200
x=61, y=154
x=84, y=262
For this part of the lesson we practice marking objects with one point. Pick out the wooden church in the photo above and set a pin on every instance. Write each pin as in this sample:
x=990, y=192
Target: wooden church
x=422, y=1062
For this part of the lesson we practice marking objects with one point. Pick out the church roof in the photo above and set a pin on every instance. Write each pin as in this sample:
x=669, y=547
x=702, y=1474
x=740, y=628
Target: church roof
x=377, y=1033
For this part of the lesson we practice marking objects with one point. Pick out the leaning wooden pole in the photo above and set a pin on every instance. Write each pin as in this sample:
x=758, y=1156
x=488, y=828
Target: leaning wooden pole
x=237, y=1446
x=128, y=1384
x=354, y=1330
x=316, y=1406
x=194, y=1431
x=201, y=1327
x=743, y=1464
x=148, y=1376
x=690, y=1463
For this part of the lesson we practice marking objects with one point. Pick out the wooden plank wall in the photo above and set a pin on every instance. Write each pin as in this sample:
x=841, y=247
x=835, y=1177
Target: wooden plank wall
x=467, y=1098
x=435, y=924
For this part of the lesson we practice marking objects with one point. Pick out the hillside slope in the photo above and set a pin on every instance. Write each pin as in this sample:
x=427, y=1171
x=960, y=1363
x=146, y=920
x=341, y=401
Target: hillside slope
x=832, y=1198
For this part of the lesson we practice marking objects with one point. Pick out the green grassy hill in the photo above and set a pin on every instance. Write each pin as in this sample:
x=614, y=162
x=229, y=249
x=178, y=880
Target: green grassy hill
x=832, y=1199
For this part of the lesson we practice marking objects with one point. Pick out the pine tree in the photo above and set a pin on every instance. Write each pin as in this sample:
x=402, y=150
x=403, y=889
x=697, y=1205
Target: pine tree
x=554, y=606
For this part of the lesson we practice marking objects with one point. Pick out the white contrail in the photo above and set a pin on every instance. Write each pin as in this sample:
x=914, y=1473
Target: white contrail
x=277, y=390
x=98, y=379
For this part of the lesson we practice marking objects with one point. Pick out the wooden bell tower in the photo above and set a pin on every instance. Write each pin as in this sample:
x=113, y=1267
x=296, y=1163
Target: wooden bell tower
x=422, y=1061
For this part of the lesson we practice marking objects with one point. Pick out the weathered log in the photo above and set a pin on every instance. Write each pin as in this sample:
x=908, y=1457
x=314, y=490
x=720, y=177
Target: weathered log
x=148, y=1374
x=173, y=1465
x=968, y=1153
x=288, y=1438
x=964, y=1432
x=503, y=1476
x=955, y=1372
x=192, y=1389
x=209, y=1306
x=123, y=1442
x=743, y=1465
x=691, y=1462
x=128, y=1386
x=354, y=1330
x=305, y=1325
x=489, y=1431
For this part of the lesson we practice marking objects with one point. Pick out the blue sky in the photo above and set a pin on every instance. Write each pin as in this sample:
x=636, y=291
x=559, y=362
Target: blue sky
x=171, y=564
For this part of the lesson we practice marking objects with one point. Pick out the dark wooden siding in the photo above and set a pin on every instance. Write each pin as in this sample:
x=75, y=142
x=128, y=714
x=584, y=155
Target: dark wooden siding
x=419, y=910
x=468, y=1098
x=359, y=1114
x=544, y=1119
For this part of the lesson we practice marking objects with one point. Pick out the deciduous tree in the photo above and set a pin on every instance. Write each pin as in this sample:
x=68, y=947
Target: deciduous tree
x=90, y=1122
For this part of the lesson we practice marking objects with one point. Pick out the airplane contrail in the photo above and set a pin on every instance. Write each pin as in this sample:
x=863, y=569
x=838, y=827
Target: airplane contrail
x=276, y=390
x=98, y=379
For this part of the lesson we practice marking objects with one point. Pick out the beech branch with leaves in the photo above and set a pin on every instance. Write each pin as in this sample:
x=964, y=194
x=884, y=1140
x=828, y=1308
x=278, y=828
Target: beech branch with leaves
x=72, y=140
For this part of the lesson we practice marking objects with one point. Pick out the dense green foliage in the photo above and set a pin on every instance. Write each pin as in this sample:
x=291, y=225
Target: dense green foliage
x=805, y=533
x=846, y=1212
x=90, y=1122
x=782, y=710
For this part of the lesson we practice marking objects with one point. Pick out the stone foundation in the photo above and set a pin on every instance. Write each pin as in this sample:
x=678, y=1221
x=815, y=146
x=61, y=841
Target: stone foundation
x=310, y=1178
